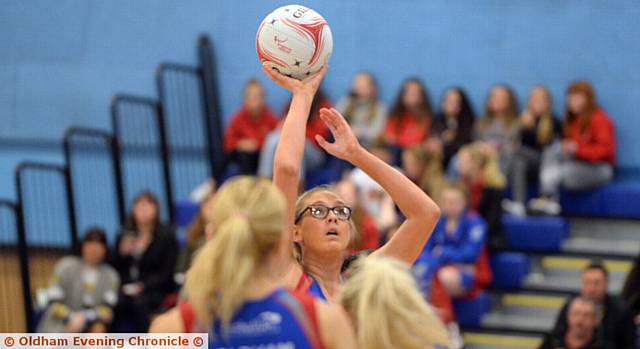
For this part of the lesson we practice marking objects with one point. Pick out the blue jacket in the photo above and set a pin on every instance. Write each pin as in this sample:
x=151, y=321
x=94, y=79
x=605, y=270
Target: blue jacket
x=463, y=246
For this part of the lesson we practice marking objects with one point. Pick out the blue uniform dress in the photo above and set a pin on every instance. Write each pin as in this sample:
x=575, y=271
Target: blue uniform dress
x=308, y=285
x=462, y=247
x=282, y=320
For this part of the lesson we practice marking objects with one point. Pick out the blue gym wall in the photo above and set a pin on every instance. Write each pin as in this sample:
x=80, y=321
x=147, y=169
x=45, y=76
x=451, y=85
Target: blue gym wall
x=61, y=61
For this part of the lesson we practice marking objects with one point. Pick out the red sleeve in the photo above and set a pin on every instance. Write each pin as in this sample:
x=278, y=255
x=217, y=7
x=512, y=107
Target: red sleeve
x=188, y=316
x=389, y=132
x=601, y=145
x=441, y=301
x=272, y=121
x=370, y=236
x=233, y=135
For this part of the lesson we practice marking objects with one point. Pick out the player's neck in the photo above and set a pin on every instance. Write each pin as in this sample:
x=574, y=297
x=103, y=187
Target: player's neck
x=326, y=271
x=266, y=280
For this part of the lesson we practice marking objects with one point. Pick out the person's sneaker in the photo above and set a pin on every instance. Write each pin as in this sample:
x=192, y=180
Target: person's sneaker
x=454, y=336
x=514, y=208
x=545, y=206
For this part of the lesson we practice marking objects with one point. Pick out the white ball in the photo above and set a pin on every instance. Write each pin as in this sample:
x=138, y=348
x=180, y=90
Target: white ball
x=296, y=41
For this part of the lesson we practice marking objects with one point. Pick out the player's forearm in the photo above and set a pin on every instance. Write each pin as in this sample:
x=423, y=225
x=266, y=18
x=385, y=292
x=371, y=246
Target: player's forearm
x=290, y=149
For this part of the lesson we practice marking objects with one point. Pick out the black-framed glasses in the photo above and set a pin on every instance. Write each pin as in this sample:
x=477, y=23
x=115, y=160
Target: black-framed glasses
x=320, y=212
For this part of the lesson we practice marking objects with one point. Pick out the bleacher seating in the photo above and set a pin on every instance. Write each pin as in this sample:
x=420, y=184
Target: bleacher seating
x=535, y=233
x=610, y=201
x=509, y=269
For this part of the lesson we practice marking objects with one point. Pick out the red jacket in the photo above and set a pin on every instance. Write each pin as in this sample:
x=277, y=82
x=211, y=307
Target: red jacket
x=598, y=142
x=406, y=131
x=243, y=126
x=369, y=236
x=315, y=125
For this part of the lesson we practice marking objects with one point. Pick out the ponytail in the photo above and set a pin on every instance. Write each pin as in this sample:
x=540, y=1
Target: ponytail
x=248, y=218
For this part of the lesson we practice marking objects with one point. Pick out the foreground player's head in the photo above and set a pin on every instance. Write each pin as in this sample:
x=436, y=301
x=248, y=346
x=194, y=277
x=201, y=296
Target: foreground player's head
x=386, y=308
x=323, y=224
x=247, y=215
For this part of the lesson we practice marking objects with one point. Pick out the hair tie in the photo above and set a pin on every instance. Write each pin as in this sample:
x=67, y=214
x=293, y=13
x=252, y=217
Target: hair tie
x=241, y=215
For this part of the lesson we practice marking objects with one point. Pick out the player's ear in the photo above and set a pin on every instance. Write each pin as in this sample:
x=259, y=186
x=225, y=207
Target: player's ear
x=297, y=235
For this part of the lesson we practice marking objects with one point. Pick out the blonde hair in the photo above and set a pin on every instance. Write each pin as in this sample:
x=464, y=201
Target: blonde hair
x=387, y=310
x=300, y=205
x=544, y=131
x=432, y=178
x=248, y=216
x=487, y=160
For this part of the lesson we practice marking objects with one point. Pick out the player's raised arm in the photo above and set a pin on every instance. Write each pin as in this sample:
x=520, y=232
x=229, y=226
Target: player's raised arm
x=288, y=157
x=420, y=211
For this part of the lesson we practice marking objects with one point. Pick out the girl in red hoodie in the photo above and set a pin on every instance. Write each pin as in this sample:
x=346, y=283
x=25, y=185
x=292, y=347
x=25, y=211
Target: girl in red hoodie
x=585, y=157
x=248, y=129
x=409, y=122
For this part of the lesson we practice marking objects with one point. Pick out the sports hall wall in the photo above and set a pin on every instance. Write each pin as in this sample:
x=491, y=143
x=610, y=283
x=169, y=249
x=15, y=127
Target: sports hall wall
x=61, y=61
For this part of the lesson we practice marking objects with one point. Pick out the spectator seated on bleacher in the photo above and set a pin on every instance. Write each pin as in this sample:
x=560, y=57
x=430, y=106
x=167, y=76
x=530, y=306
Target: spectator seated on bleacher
x=196, y=232
x=585, y=158
x=409, y=122
x=455, y=255
x=498, y=126
x=145, y=258
x=581, y=331
x=248, y=129
x=631, y=294
x=314, y=157
x=453, y=125
x=362, y=109
x=366, y=236
x=424, y=168
x=83, y=290
x=377, y=203
x=539, y=129
x=484, y=182
x=614, y=321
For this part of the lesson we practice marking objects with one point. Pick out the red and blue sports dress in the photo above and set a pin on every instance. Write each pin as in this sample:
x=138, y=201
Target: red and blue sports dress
x=284, y=319
x=308, y=285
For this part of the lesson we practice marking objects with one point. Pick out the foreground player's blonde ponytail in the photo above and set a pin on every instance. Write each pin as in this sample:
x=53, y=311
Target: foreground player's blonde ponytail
x=248, y=219
x=387, y=310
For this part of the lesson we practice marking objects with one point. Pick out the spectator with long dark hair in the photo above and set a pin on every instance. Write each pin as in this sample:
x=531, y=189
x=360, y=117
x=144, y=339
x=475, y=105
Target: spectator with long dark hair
x=364, y=112
x=409, y=121
x=499, y=125
x=145, y=258
x=538, y=130
x=453, y=125
x=248, y=129
x=584, y=159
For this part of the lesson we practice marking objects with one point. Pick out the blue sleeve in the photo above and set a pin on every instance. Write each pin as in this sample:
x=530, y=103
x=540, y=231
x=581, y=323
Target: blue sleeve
x=473, y=240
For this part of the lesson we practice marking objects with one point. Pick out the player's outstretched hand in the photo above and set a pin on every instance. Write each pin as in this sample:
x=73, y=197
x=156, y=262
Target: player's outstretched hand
x=345, y=145
x=308, y=86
